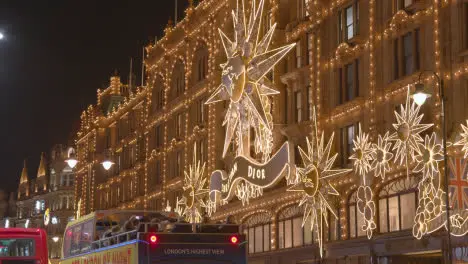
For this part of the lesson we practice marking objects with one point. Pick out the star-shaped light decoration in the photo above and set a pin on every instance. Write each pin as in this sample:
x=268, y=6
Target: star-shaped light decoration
x=381, y=156
x=244, y=84
x=428, y=157
x=408, y=129
x=362, y=155
x=192, y=201
x=464, y=139
x=314, y=184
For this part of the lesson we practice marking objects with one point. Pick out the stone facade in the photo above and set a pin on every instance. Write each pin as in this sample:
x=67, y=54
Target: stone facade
x=51, y=190
x=353, y=62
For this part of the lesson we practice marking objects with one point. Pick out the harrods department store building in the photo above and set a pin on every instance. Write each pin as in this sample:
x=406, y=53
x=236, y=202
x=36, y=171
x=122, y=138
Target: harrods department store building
x=353, y=62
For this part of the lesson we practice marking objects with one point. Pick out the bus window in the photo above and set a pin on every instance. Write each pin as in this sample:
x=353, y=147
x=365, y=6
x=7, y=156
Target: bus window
x=17, y=248
x=87, y=236
x=75, y=240
x=67, y=242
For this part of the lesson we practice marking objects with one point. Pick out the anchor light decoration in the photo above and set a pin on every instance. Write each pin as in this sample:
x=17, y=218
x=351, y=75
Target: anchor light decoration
x=247, y=89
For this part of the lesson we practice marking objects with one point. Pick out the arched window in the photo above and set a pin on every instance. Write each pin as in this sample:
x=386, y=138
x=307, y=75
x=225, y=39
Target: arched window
x=355, y=219
x=290, y=230
x=178, y=80
x=397, y=205
x=201, y=64
x=257, y=230
x=157, y=97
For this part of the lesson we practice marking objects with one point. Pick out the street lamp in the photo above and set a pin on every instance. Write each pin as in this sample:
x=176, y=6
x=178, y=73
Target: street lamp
x=71, y=161
x=55, y=239
x=2, y=36
x=107, y=163
x=420, y=96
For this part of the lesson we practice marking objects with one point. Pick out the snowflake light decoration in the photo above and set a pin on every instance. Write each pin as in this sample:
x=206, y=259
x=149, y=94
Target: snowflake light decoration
x=194, y=191
x=362, y=156
x=381, y=156
x=314, y=182
x=428, y=157
x=408, y=129
x=464, y=140
x=244, y=83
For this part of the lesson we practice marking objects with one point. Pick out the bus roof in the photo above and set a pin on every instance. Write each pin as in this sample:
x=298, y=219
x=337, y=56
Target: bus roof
x=103, y=213
x=30, y=231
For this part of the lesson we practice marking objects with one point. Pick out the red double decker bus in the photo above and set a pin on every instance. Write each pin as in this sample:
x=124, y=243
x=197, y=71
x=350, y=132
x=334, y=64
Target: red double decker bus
x=23, y=246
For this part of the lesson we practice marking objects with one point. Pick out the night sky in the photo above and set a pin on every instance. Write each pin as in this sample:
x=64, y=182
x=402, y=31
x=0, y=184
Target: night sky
x=55, y=56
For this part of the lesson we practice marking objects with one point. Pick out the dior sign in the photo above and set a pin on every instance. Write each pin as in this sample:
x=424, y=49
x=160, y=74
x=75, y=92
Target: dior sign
x=250, y=174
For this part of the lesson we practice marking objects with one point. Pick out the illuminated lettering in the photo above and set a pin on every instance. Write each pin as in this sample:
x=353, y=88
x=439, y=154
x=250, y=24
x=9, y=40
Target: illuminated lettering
x=255, y=173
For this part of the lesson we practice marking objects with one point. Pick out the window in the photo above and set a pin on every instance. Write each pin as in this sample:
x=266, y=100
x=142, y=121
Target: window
x=158, y=136
x=465, y=16
x=302, y=9
x=406, y=54
x=310, y=58
x=356, y=219
x=309, y=103
x=401, y=4
x=200, y=64
x=257, y=230
x=298, y=55
x=347, y=136
x=201, y=111
x=349, y=82
x=17, y=248
x=201, y=151
x=178, y=85
x=348, y=22
x=178, y=168
x=155, y=174
x=178, y=126
x=334, y=228
x=292, y=234
x=202, y=67
x=397, y=205
x=267, y=21
x=298, y=104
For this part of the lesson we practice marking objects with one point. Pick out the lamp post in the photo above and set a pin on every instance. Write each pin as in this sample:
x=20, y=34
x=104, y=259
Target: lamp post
x=107, y=163
x=420, y=96
x=71, y=161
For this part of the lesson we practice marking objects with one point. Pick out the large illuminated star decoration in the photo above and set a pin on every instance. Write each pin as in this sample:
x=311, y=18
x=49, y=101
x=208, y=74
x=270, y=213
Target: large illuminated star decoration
x=192, y=201
x=314, y=184
x=362, y=156
x=464, y=139
x=408, y=129
x=244, y=84
x=381, y=156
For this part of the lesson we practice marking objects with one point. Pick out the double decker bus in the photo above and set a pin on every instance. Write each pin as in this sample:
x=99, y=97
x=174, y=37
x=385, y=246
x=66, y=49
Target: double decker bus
x=130, y=237
x=23, y=246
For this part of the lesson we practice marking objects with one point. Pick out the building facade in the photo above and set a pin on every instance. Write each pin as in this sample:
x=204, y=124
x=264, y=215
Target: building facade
x=47, y=201
x=353, y=63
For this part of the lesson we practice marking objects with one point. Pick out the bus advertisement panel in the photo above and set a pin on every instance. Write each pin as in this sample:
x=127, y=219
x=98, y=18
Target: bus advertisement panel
x=125, y=253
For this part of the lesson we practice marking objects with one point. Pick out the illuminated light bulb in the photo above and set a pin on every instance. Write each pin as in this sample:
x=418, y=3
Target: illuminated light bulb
x=420, y=96
x=55, y=239
x=107, y=164
x=71, y=162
